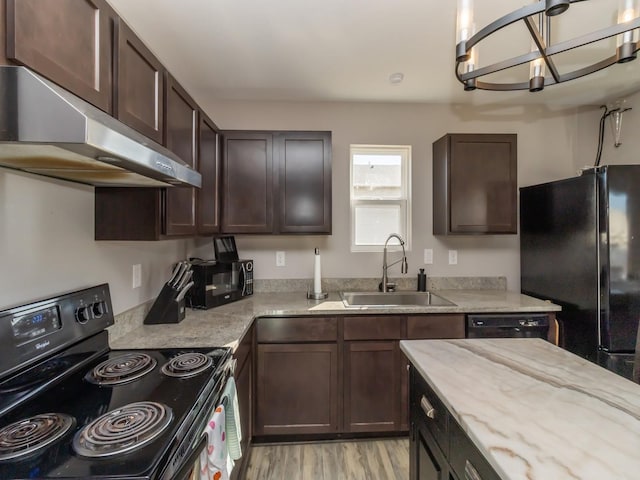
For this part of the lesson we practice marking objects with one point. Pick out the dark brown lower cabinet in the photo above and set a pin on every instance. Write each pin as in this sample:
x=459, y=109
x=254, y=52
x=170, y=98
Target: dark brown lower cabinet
x=244, y=381
x=428, y=462
x=297, y=389
x=372, y=383
x=438, y=447
x=342, y=375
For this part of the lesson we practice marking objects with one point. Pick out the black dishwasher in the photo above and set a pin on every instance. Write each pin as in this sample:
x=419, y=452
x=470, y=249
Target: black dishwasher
x=511, y=325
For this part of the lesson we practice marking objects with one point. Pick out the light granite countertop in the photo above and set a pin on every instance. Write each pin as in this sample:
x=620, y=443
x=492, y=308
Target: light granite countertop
x=226, y=324
x=535, y=411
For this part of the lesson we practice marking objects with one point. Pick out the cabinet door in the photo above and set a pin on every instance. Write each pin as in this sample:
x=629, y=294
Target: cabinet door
x=181, y=134
x=427, y=462
x=303, y=182
x=243, y=379
x=296, y=389
x=247, y=189
x=372, y=386
x=475, y=184
x=139, y=85
x=67, y=41
x=208, y=204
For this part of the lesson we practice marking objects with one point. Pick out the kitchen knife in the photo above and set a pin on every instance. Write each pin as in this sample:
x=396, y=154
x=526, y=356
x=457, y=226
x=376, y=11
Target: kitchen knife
x=184, y=280
x=184, y=266
x=183, y=292
x=174, y=274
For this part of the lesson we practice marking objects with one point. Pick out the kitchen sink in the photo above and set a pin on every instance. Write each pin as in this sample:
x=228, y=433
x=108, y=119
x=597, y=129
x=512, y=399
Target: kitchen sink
x=393, y=299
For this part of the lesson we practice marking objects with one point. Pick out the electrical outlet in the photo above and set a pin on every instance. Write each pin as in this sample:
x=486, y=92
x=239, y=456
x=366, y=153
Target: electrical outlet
x=453, y=257
x=136, y=276
x=428, y=256
x=280, y=259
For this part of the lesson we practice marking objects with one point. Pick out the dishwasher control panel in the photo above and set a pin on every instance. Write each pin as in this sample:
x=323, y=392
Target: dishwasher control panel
x=510, y=325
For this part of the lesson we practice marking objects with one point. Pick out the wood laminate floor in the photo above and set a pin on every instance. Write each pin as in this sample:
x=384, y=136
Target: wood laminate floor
x=352, y=460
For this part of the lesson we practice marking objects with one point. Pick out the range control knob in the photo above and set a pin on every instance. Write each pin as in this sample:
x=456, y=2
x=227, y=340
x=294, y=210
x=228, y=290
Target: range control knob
x=83, y=315
x=98, y=309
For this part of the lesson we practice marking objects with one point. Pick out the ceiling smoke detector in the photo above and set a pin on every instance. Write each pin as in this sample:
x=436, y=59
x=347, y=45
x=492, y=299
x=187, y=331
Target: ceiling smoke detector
x=396, y=78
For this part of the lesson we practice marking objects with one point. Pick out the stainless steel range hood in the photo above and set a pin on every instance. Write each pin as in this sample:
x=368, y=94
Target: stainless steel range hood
x=48, y=131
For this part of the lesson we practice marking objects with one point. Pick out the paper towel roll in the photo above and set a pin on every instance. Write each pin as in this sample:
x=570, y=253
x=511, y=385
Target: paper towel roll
x=317, y=275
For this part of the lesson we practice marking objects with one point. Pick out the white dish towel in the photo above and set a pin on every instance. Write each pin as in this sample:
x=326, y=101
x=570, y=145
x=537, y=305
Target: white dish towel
x=213, y=460
x=232, y=419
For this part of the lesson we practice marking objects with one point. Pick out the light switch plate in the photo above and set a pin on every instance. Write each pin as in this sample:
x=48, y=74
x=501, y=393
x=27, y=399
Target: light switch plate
x=136, y=275
x=453, y=257
x=280, y=259
x=428, y=256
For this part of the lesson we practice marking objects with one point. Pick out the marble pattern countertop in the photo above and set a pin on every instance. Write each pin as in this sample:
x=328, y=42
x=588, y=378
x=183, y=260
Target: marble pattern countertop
x=226, y=324
x=534, y=410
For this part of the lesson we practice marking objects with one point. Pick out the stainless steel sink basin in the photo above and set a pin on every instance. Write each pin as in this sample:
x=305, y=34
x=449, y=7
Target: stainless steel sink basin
x=392, y=299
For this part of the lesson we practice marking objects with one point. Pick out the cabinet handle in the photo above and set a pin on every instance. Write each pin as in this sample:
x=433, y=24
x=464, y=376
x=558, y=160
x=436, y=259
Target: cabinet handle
x=427, y=407
x=470, y=472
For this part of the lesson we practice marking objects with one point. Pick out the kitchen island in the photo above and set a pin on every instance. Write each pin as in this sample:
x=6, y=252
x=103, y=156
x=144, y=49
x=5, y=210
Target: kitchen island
x=532, y=410
x=226, y=324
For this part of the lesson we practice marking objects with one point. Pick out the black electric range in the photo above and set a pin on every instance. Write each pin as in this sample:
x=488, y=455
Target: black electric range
x=72, y=408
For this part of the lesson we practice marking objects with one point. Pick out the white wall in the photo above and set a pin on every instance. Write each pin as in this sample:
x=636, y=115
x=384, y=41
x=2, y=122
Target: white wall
x=546, y=142
x=47, y=245
x=625, y=154
x=47, y=226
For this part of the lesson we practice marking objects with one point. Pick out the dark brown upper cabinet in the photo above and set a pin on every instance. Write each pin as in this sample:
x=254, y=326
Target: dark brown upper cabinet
x=68, y=41
x=157, y=213
x=276, y=182
x=304, y=182
x=475, y=184
x=247, y=182
x=139, y=84
x=208, y=204
x=181, y=135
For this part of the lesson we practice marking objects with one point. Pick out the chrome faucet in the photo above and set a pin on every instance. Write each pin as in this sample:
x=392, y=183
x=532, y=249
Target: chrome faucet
x=404, y=268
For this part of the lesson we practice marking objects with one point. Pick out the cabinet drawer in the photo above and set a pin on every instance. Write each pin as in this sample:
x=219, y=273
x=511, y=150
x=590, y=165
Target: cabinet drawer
x=373, y=328
x=429, y=410
x=465, y=459
x=296, y=329
x=435, y=326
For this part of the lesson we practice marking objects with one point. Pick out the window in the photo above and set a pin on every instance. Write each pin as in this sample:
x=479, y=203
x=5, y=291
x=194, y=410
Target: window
x=380, y=194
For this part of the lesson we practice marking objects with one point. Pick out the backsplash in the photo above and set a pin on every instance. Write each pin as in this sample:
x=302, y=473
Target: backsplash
x=368, y=284
x=131, y=319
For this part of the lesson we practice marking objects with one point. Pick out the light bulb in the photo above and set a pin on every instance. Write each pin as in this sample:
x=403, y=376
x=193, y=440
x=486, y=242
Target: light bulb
x=464, y=23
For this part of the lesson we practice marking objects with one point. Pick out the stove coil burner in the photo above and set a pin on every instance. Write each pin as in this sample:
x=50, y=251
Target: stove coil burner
x=121, y=369
x=32, y=434
x=187, y=365
x=122, y=430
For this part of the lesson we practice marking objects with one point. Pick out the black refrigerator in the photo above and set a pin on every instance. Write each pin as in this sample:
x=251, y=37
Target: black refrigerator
x=580, y=249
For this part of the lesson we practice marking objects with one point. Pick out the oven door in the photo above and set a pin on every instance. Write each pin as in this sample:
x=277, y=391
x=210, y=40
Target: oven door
x=190, y=470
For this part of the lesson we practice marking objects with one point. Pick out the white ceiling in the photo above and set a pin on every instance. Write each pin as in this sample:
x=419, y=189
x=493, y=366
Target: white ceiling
x=345, y=50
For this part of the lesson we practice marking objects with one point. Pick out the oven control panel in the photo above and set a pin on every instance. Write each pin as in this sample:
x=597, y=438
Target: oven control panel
x=33, y=331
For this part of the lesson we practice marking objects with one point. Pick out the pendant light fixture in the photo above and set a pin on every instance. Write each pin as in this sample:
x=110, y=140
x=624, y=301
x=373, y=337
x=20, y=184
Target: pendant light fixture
x=537, y=17
x=614, y=112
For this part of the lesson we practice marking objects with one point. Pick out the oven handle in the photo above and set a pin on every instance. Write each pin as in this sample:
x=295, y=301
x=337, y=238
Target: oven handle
x=230, y=366
x=187, y=467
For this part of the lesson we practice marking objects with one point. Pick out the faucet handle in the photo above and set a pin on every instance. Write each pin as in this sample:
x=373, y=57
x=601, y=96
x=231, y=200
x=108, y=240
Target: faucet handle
x=391, y=287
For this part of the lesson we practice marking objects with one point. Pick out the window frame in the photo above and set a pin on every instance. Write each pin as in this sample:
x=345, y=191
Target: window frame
x=404, y=201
